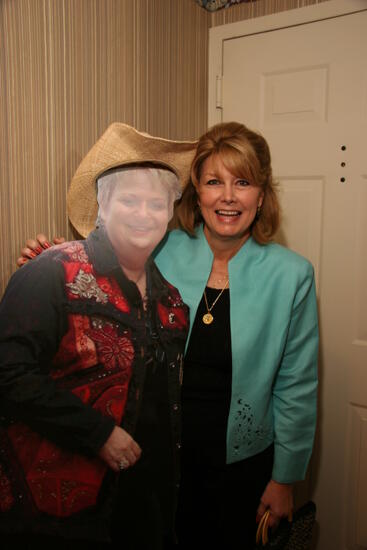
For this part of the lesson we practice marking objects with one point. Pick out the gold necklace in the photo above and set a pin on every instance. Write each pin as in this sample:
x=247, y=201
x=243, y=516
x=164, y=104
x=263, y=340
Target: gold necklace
x=208, y=317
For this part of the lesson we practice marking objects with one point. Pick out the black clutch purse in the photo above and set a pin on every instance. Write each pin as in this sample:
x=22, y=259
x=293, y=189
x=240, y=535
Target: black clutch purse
x=295, y=535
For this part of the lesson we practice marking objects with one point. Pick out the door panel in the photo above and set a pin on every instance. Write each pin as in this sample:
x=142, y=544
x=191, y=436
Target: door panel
x=302, y=204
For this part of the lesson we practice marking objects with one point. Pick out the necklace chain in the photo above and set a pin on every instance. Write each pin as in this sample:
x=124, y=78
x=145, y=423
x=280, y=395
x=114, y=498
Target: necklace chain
x=208, y=317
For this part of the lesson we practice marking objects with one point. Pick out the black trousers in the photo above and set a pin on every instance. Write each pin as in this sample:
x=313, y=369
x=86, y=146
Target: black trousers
x=217, y=504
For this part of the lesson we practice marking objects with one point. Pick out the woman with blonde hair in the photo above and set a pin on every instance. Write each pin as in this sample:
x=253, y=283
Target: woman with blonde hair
x=250, y=374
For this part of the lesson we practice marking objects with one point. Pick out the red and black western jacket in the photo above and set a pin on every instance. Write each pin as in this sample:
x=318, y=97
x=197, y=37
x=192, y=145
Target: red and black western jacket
x=74, y=342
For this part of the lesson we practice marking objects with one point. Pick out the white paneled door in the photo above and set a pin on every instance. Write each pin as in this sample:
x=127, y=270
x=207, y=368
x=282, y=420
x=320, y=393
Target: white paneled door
x=300, y=78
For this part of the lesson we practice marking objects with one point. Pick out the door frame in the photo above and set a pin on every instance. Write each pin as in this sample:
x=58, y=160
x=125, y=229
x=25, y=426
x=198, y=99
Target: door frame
x=290, y=18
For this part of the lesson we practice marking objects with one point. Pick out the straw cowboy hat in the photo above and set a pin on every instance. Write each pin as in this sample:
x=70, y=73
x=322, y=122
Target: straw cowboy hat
x=121, y=145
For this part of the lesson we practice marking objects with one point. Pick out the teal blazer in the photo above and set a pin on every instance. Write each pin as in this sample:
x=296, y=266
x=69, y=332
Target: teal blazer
x=274, y=338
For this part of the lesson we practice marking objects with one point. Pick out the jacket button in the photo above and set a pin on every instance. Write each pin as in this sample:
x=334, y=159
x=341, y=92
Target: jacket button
x=178, y=445
x=175, y=407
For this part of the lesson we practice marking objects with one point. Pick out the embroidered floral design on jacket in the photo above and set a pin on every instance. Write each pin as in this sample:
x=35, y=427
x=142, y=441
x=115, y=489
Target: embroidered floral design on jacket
x=113, y=350
x=75, y=251
x=86, y=286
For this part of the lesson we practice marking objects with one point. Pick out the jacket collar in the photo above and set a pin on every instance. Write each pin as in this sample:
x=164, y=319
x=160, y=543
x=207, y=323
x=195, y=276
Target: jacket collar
x=100, y=252
x=250, y=249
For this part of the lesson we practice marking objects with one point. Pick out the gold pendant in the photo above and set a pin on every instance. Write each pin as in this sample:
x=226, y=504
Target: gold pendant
x=208, y=318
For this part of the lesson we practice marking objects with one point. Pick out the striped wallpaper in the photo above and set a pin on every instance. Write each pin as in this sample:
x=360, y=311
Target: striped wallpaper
x=68, y=69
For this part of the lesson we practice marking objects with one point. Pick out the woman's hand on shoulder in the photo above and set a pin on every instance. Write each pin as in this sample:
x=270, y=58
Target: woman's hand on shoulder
x=278, y=498
x=120, y=450
x=34, y=247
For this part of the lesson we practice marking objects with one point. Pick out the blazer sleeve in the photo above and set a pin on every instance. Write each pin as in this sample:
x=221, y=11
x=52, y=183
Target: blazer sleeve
x=295, y=387
x=32, y=323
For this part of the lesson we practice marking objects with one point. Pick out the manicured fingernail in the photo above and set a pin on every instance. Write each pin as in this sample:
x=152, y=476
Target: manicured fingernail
x=38, y=250
x=46, y=244
x=32, y=254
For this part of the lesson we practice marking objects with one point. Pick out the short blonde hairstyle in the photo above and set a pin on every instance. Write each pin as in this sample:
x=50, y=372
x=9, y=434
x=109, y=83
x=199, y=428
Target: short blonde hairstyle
x=245, y=154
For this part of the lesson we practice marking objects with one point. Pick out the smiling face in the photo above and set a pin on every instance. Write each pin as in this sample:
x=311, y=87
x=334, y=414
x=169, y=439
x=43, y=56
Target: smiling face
x=228, y=203
x=136, y=213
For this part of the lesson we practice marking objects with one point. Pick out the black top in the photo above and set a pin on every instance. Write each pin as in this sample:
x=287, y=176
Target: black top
x=207, y=383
